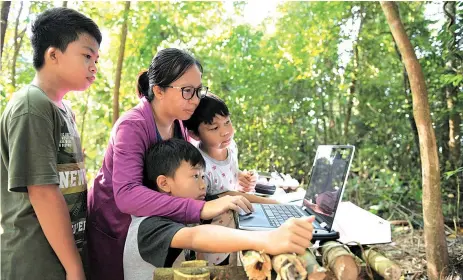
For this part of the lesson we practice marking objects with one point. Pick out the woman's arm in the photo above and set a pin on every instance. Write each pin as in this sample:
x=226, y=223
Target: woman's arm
x=131, y=196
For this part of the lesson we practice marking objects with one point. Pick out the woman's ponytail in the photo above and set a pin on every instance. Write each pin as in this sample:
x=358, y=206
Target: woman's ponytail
x=143, y=85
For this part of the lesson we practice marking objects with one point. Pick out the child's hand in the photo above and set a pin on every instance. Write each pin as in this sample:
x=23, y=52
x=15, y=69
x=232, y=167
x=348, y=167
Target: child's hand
x=291, y=237
x=247, y=181
x=221, y=205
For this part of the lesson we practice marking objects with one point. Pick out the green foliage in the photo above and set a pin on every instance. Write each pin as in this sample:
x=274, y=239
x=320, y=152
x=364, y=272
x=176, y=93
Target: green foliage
x=285, y=80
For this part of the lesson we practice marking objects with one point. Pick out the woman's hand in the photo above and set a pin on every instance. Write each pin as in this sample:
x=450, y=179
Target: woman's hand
x=221, y=205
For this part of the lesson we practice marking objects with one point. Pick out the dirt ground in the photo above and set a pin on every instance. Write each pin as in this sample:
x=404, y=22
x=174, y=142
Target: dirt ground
x=408, y=251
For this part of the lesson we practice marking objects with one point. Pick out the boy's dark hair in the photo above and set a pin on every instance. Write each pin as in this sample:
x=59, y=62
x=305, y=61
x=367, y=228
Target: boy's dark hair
x=58, y=27
x=209, y=106
x=165, y=157
x=166, y=67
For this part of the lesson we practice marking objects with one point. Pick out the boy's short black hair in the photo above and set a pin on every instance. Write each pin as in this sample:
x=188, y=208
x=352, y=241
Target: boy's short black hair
x=165, y=157
x=58, y=27
x=209, y=106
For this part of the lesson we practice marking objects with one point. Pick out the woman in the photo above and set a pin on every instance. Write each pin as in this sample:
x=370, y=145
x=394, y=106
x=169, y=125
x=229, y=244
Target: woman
x=170, y=92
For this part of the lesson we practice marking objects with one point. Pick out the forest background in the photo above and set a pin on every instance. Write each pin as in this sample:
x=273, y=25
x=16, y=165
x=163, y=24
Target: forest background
x=294, y=74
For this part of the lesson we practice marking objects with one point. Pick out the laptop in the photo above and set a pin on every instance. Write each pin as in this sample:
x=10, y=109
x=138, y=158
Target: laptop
x=326, y=185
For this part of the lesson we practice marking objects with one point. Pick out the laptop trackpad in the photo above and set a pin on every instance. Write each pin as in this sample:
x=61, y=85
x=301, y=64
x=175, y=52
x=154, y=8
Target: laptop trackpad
x=256, y=219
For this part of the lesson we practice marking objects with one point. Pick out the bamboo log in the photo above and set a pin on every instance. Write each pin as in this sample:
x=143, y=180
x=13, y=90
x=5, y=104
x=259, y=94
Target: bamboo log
x=326, y=275
x=216, y=272
x=311, y=263
x=289, y=266
x=382, y=265
x=340, y=261
x=314, y=270
x=196, y=274
x=256, y=264
x=195, y=263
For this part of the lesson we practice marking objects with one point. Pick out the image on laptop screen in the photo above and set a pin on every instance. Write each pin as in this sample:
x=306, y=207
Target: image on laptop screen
x=326, y=183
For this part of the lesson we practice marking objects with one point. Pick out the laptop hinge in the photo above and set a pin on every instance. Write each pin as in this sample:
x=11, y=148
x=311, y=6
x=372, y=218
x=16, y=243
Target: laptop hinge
x=321, y=222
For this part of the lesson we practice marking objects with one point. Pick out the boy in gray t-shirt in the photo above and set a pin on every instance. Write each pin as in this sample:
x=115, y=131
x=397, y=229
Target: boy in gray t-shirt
x=176, y=167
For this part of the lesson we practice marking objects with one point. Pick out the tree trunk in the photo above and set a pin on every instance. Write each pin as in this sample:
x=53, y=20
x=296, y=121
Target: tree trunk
x=4, y=23
x=65, y=4
x=120, y=60
x=350, y=98
x=451, y=90
x=454, y=125
x=18, y=40
x=353, y=83
x=411, y=120
x=332, y=121
x=323, y=117
x=436, y=246
x=316, y=132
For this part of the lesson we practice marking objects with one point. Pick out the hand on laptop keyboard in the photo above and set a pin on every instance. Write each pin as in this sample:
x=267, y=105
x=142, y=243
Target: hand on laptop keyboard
x=293, y=236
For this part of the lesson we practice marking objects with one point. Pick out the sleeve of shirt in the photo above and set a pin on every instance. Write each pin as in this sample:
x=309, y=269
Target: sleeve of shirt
x=155, y=235
x=207, y=180
x=131, y=196
x=209, y=198
x=212, y=188
x=32, y=152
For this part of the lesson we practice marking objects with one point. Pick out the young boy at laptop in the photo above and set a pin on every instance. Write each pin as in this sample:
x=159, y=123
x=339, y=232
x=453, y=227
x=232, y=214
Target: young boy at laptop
x=156, y=241
x=210, y=124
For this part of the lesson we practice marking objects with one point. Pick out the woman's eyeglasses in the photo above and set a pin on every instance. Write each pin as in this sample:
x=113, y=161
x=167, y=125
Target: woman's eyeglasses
x=189, y=92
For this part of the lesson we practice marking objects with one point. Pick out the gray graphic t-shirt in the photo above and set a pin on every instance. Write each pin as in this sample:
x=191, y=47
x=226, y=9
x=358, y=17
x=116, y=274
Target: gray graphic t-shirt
x=40, y=145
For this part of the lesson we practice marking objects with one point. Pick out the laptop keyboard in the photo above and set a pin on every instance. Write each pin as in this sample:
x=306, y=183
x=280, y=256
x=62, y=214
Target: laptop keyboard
x=278, y=214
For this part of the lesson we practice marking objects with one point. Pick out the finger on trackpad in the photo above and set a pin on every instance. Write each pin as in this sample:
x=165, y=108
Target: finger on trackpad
x=242, y=213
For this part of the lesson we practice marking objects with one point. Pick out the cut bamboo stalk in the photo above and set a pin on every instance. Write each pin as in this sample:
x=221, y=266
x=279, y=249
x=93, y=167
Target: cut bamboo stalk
x=195, y=263
x=289, y=266
x=311, y=263
x=217, y=272
x=340, y=261
x=314, y=270
x=257, y=265
x=326, y=275
x=197, y=274
x=382, y=265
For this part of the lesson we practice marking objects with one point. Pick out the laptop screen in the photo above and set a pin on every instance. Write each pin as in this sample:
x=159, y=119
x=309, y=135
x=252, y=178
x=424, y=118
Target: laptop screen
x=326, y=184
